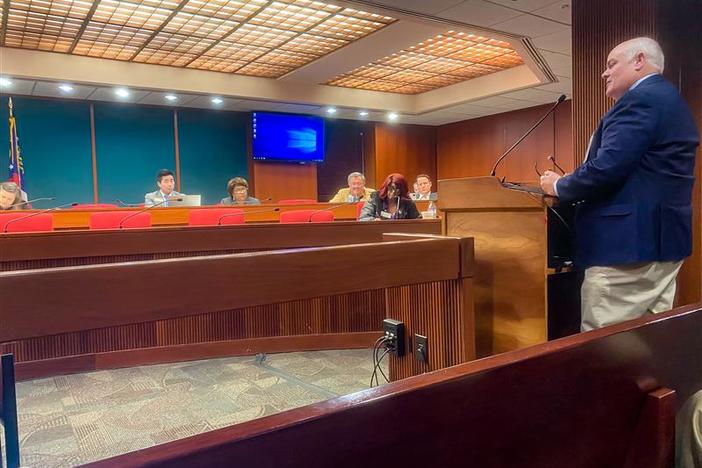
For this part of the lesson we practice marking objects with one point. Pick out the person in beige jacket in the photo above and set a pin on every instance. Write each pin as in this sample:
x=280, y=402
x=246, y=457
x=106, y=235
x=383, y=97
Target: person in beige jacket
x=356, y=191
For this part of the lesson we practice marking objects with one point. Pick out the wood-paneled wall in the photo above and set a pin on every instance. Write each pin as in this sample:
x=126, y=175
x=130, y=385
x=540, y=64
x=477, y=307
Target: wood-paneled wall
x=280, y=181
x=470, y=148
x=407, y=149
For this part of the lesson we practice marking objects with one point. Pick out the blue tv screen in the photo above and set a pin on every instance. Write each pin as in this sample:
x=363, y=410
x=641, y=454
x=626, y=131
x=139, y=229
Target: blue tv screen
x=287, y=137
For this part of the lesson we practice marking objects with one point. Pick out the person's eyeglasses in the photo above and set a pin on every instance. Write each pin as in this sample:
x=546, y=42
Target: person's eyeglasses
x=555, y=166
x=240, y=190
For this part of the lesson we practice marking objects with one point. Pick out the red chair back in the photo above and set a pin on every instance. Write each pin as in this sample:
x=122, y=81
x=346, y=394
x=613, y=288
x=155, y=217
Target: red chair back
x=112, y=219
x=359, y=207
x=215, y=216
x=306, y=216
x=94, y=206
x=297, y=201
x=40, y=222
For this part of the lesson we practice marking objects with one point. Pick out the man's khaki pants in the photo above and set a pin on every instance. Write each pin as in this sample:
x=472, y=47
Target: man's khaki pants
x=611, y=295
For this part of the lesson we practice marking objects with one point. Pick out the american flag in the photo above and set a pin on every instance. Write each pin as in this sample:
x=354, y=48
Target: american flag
x=16, y=167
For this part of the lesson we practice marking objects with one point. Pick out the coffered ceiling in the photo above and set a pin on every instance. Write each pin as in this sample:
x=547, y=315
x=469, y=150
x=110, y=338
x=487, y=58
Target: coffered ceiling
x=432, y=62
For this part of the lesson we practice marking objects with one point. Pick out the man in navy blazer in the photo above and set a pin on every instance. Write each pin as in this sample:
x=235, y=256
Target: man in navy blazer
x=633, y=192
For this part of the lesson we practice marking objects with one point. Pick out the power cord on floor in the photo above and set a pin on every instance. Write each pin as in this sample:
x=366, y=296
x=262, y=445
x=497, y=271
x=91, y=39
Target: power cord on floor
x=377, y=360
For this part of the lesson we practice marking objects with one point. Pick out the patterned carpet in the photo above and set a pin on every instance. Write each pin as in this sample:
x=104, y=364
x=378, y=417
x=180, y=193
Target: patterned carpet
x=70, y=420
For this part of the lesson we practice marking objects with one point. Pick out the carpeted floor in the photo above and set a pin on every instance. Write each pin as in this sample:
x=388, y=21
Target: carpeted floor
x=70, y=420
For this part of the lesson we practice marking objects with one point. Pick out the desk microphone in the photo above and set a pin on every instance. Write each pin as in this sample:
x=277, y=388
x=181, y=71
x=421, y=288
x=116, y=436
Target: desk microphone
x=561, y=98
x=136, y=213
x=4, y=230
x=244, y=212
x=32, y=201
x=309, y=220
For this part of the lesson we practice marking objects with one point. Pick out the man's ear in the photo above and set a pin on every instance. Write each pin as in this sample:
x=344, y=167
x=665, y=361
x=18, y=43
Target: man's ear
x=639, y=61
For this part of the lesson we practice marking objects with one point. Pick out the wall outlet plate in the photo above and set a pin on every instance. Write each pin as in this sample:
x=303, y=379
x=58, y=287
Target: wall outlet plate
x=421, y=350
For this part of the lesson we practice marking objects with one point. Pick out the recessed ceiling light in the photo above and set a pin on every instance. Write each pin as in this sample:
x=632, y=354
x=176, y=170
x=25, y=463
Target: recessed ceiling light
x=392, y=116
x=331, y=110
x=171, y=97
x=5, y=82
x=66, y=88
x=122, y=92
x=217, y=100
x=363, y=113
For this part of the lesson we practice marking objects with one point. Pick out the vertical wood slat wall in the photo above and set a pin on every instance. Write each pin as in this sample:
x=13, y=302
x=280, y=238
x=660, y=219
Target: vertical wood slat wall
x=598, y=26
x=345, y=313
x=439, y=311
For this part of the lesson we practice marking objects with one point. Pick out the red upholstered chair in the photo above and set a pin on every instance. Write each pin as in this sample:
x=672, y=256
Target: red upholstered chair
x=297, y=201
x=94, y=206
x=359, y=207
x=306, y=216
x=112, y=219
x=215, y=216
x=40, y=222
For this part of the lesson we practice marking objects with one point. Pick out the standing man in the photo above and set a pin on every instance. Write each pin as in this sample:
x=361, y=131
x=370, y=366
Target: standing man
x=166, y=185
x=356, y=190
x=634, y=191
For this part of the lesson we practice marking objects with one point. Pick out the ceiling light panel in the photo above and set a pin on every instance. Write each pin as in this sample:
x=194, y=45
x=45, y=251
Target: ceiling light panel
x=252, y=37
x=217, y=64
x=442, y=60
x=168, y=42
x=234, y=10
x=129, y=14
x=164, y=57
x=292, y=17
x=261, y=36
x=199, y=26
x=35, y=30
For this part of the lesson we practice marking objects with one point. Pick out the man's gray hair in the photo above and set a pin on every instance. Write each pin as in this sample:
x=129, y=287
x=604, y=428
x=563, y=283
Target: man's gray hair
x=353, y=175
x=651, y=50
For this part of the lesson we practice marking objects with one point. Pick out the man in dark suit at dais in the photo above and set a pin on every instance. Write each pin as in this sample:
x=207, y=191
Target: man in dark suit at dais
x=633, y=191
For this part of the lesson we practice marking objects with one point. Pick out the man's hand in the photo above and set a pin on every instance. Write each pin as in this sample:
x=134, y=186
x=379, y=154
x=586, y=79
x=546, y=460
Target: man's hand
x=548, y=181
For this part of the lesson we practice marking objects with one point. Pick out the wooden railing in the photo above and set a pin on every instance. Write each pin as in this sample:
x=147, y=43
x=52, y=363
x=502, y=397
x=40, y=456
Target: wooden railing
x=80, y=247
x=60, y=320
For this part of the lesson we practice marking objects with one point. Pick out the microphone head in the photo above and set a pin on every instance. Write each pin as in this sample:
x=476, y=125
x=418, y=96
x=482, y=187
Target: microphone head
x=561, y=98
x=175, y=199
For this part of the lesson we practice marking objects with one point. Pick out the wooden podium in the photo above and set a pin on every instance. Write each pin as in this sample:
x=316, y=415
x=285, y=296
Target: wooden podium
x=509, y=228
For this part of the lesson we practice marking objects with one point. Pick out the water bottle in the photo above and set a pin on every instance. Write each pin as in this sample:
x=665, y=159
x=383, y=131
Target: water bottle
x=432, y=209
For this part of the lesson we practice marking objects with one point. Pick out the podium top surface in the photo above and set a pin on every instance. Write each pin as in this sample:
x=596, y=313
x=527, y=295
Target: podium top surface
x=481, y=193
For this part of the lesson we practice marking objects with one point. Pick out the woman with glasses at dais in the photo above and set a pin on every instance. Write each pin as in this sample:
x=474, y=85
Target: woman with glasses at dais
x=238, y=189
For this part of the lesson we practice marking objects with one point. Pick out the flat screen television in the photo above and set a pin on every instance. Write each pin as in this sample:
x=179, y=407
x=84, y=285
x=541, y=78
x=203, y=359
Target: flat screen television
x=288, y=137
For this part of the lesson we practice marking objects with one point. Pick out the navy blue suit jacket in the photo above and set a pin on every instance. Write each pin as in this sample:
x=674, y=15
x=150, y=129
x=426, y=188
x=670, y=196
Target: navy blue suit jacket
x=635, y=188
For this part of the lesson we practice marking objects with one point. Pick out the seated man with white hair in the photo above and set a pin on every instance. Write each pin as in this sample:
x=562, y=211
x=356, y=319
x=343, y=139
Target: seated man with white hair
x=355, y=192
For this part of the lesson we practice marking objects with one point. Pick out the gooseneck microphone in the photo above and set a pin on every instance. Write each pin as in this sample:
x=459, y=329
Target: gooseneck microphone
x=137, y=213
x=561, y=98
x=125, y=203
x=4, y=230
x=244, y=213
x=27, y=202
